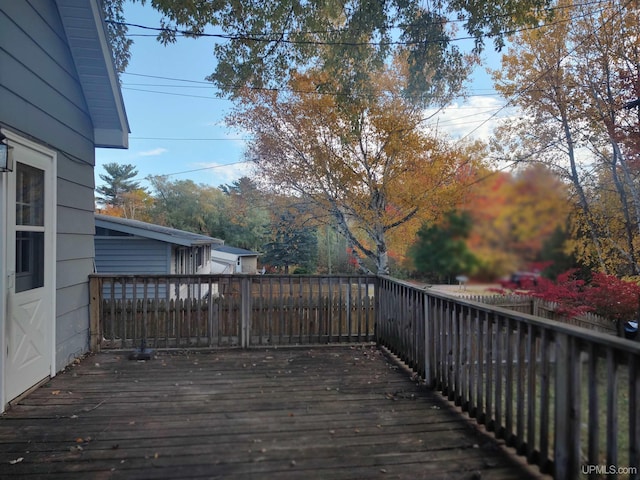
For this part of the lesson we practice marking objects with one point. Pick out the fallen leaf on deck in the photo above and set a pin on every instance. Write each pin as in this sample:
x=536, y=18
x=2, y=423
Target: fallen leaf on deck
x=17, y=460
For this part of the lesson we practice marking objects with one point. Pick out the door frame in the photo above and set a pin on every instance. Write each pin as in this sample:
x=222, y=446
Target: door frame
x=19, y=143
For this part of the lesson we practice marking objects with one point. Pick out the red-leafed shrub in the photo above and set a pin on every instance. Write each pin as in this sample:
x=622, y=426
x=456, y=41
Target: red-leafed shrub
x=605, y=295
x=568, y=292
x=613, y=298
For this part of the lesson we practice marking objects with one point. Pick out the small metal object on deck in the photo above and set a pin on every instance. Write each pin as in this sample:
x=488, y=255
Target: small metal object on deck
x=142, y=353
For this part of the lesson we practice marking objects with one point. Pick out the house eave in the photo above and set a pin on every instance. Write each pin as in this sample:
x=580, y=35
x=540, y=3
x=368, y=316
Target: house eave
x=155, y=232
x=88, y=41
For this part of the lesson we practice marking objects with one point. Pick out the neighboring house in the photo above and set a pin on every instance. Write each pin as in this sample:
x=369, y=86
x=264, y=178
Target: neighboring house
x=226, y=259
x=126, y=246
x=133, y=247
x=59, y=99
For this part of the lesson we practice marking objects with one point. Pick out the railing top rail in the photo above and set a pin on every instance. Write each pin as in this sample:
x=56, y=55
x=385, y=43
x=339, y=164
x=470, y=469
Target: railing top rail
x=223, y=275
x=587, y=335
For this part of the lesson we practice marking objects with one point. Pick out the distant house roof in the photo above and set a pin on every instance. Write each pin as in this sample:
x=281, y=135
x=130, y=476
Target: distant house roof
x=240, y=252
x=89, y=45
x=155, y=232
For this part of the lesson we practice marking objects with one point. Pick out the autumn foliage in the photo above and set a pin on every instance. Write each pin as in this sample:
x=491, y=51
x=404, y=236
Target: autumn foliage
x=613, y=298
x=605, y=295
x=513, y=214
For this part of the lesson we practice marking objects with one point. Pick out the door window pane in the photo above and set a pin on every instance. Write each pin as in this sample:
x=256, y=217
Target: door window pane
x=29, y=260
x=29, y=228
x=29, y=195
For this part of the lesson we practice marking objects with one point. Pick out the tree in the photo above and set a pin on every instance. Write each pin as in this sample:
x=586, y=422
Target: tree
x=292, y=242
x=184, y=205
x=571, y=79
x=441, y=251
x=371, y=168
x=245, y=215
x=117, y=29
x=513, y=214
x=137, y=205
x=266, y=42
x=118, y=181
x=554, y=252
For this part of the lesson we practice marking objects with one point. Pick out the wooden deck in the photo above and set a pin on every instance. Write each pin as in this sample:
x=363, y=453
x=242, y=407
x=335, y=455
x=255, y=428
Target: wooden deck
x=325, y=413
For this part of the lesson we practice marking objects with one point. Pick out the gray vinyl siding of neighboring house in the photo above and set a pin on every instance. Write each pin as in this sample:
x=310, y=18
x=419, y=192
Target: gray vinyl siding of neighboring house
x=41, y=97
x=132, y=256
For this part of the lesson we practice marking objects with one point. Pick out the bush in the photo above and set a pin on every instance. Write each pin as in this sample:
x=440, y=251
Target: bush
x=605, y=295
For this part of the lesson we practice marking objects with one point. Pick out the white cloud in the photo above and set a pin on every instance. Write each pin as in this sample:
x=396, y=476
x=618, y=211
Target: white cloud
x=475, y=118
x=153, y=153
x=216, y=173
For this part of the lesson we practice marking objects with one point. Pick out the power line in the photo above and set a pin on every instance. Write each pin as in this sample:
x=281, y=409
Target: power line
x=202, y=169
x=509, y=102
x=288, y=90
x=174, y=94
x=177, y=139
x=138, y=179
x=208, y=85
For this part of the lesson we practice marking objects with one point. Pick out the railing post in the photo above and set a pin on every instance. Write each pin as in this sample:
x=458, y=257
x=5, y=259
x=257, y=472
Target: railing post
x=95, y=301
x=377, y=313
x=428, y=342
x=567, y=409
x=245, y=312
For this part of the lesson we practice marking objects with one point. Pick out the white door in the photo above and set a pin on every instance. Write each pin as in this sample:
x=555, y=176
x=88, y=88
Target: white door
x=30, y=257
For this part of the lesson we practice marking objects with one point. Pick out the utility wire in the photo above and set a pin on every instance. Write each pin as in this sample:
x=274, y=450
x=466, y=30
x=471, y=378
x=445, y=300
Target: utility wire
x=191, y=139
x=139, y=179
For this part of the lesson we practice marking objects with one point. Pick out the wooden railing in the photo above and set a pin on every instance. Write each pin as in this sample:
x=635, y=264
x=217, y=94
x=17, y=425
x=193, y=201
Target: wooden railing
x=564, y=397
x=204, y=311
x=567, y=398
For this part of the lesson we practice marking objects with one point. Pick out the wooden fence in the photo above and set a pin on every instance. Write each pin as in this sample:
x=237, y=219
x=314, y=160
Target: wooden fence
x=541, y=308
x=204, y=311
x=565, y=397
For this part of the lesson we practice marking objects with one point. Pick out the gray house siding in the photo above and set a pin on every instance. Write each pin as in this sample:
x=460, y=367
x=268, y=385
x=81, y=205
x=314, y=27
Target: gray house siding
x=41, y=98
x=127, y=255
x=75, y=259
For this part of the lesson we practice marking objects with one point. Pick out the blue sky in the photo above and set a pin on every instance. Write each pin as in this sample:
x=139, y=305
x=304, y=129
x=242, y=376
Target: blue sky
x=177, y=122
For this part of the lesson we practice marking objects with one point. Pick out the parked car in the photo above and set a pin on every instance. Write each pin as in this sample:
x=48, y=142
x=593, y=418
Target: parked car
x=631, y=330
x=521, y=280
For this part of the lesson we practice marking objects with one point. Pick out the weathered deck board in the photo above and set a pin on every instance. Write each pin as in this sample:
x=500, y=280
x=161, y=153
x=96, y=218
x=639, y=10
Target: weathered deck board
x=326, y=413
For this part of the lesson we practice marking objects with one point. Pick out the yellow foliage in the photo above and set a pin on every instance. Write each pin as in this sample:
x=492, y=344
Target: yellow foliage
x=369, y=163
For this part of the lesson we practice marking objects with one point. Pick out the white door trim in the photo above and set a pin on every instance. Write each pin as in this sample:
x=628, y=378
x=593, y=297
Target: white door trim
x=3, y=285
x=50, y=250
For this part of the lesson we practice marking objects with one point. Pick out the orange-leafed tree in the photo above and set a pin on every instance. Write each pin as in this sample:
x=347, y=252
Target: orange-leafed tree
x=368, y=164
x=513, y=214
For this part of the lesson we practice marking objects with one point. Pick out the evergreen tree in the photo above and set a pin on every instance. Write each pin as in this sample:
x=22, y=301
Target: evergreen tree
x=291, y=244
x=118, y=181
x=441, y=251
